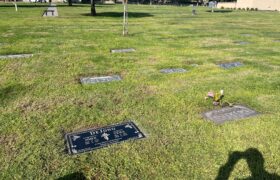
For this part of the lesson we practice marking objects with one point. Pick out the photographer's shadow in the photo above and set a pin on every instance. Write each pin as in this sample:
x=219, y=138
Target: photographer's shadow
x=255, y=163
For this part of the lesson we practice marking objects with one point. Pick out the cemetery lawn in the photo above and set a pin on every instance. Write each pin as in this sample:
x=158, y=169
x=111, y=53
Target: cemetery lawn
x=41, y=98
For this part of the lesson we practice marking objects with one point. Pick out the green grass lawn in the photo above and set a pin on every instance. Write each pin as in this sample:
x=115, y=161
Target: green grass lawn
x=41, y=98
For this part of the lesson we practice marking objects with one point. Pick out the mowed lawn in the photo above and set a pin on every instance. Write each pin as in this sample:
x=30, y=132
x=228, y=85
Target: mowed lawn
x=41, y=98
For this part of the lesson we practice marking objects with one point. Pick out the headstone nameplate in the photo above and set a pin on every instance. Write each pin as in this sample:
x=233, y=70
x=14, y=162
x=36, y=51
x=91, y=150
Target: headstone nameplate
x=102, y=79
x=230, y=65
x=92, y=139
x=173, y=70
x=229, y=114
x=122, y=50
x=13, y=56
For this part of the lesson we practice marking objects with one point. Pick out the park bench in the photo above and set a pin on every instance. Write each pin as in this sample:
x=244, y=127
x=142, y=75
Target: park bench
x=49, y=10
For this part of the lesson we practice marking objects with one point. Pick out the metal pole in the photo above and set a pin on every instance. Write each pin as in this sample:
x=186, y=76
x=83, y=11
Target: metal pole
x=125, y=18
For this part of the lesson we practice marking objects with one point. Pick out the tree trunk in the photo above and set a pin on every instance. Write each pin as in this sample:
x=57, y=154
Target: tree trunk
x=70, y=2
x=92, y=9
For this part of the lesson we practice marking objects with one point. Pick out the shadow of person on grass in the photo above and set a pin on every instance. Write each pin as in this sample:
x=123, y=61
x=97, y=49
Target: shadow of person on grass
x=73, y=176
x=11, y=92
x=255, y=163
x=120, y=14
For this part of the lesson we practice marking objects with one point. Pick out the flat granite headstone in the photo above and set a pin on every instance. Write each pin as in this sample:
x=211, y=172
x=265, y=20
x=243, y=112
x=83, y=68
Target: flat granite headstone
x=230, y=65
x=241, y=42
x=122, y=50
x=102, y=79
x=276, y=40
x=229, y=114
x=173, y=70
x=92, y=139
x=12, y=56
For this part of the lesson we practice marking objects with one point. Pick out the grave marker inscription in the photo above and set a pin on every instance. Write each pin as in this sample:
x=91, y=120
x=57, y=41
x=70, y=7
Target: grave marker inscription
x=229, y=114
x=230, y=65
x=173, y=70
x=122, y=50
x=92, y=139
x=102, y=79
x=13, y=56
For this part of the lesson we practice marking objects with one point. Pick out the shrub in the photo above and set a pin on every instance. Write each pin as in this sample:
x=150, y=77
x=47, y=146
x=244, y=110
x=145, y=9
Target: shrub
x=252, y=9
x=256, y=9
x=239, y=8
x=247, y=9
x=243, y=9
x=222, y=7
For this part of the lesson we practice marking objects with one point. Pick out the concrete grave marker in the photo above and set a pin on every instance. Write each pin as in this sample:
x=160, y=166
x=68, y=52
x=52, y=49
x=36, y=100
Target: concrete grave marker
x=122, y=50
x=13, y=56
x=229, y=114
x=102, y=79
x=173, y=70
x=92, y=139
x=230, y=65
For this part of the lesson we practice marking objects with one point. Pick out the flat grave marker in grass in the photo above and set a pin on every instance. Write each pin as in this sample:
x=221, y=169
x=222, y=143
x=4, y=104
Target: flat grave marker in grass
x=122, y=50
x=230, y=65
x=101, y=79
x=229, y=114
x=92, y=139
x=276, y=40
x=173, y=70
x=241, y=42
x=13, y=56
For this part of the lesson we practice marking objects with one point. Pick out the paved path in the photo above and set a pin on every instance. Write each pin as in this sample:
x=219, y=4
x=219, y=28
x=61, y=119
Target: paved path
x=52, y=7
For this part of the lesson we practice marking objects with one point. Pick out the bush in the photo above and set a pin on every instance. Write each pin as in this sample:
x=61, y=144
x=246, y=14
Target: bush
x=256, y=9
x=239, y=8
x=252, y=9
x=247, y=9
x=243, y=9
x=222, y=7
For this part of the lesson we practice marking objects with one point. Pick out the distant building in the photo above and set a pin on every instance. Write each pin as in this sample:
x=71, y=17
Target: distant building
x=259, y=4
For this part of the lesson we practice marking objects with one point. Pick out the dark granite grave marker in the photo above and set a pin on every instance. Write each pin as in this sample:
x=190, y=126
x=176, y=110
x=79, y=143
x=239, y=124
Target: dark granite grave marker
x=92, y=139
x=229, y=114
x=122, y=50
x=230, y=65
x=102, y=79
x=12, y=56
x=173, y=70
x=241, y=42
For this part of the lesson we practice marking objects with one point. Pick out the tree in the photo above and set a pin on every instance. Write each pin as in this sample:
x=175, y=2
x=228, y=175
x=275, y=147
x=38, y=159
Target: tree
x=92, y=8
x=70, y=2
